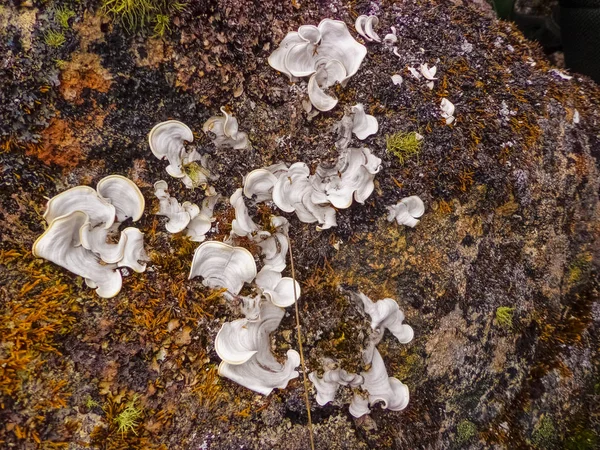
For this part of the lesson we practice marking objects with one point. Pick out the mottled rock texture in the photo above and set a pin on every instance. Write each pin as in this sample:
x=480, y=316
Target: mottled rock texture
x=511, y=191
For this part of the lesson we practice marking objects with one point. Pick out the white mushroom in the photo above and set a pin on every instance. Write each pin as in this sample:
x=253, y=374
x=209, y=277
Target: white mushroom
x=406, y=211
x=447, y=110
x=222, y=265
x=359, y=406
x=245, y=348
x=332, y=379
x=258, y=184
x=381, y=388
x=84, y=199
x=94, y=239
x=386, y=314
x=313, y=49
x=364, y=26
x=60, y=244
x=166, y=141
x=428, y=72
x=364, y=124
x=202, y=223
x=242, y=225
x=124, y=195
x=178, y=215
x=390, y=39
x=134, y=250
x=397, y=79
x=226, y=131
x=278, y=289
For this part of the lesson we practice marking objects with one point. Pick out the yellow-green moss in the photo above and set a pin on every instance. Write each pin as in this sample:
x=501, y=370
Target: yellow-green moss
x=465, y=431
x=127, y=419
x=135, y=15
x=544, y=434
x=504, y=316
x=403, y=145
x=54, y=38
x=62, y=16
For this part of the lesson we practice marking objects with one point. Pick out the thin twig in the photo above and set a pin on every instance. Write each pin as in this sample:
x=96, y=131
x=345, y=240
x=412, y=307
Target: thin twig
x=310, y=427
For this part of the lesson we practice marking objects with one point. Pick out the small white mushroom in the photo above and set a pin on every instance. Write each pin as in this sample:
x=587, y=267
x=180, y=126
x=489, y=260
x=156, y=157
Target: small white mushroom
x=406, y=211
x=447, y=110
x=245, y=348
x=364, y=26
x=222, y=265
x=428, y=72
x=124, y=195
x=386, y=314
x=326, y=75
x=328, y=386
x=397, y=79
x=390, y=39
x=202, y=223
x=359, y=406
x=84, y=199
x=278, y=289
x=390, y=391
x=134, y=250
x=274, y=250
x=178, y=215
x=414, y=73
x=259, y=184
x=364, y=124
x=242, y=225
x=60, y=244
x=95, y=240
x=226, y=131
x=167, y=140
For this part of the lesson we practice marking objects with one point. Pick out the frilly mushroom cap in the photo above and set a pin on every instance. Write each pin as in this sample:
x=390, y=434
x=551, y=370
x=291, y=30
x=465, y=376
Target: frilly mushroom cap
x=166, y=140
x=134, y=250
x=290, y=188
x=274, y=251
x=296, y=55
x=84, y=199
x=326, y=75
x=226, y=131
x=390, y=391
x=365, y=27
x=364, y=124
x=259, y=184
x=202, y=223
x=280, y=290
x=259, y=378
x=447, y=110
x=332, y=379
x=242, y=224
x=397, y=79
x=124, y=195
x=222, y=265
x=387, y=314
x=236, y=342
x=94, y=239
x=359, y=406
x=406, y=211
x=428, y=72
x=390, y=39
x=60, y=245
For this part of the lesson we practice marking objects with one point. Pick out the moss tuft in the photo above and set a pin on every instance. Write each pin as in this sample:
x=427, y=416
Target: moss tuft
x=127, y=419
x=504, y=316
x=403, y=145
x=54, y=38
x=62, y=16
x=135, y=15
x=465, y=431
x=544, y=434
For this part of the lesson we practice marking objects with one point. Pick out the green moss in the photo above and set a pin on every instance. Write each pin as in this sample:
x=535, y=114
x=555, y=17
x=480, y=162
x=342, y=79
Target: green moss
x=91, y=403
x=161, y=25
x=62, y=16
x=544, y=434
x=127, y=419
x=54, y=38
x=504, y=316
x=582, y=440
x=465, y=431
x=135, y=15
x=197, y=173
x=404, y=145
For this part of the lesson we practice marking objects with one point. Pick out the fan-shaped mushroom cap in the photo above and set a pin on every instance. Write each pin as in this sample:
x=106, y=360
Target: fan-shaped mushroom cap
x=390, y=391
x=60, y=245
x=327, y=74
x=242, y=225
x=359, y=406
x=447, y=110
x=364, y=124
x=259, y=184
x=387, y=314
x=222, y=265
x=237, y=341
x=290, y=188
x=84, y=199
x=406, y=211
x=94, y=239
x=166, y=140
x=365, y=27
x=274, y=250
x=278, y=289
x=226, y=131
x=134, y=250
x=124, y=195
x=332, y=379
x=428, y=72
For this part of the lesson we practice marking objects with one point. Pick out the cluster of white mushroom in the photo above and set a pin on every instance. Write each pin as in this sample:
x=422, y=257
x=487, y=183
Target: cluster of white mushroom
x=326, y=53
x=375, y=383
x=80, y=222
x=224, y=131
x=188, y=217
x=244, y=344
x=407, y=211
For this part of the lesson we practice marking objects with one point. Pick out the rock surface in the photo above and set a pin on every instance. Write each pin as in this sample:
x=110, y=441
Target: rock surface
x=499, y=280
